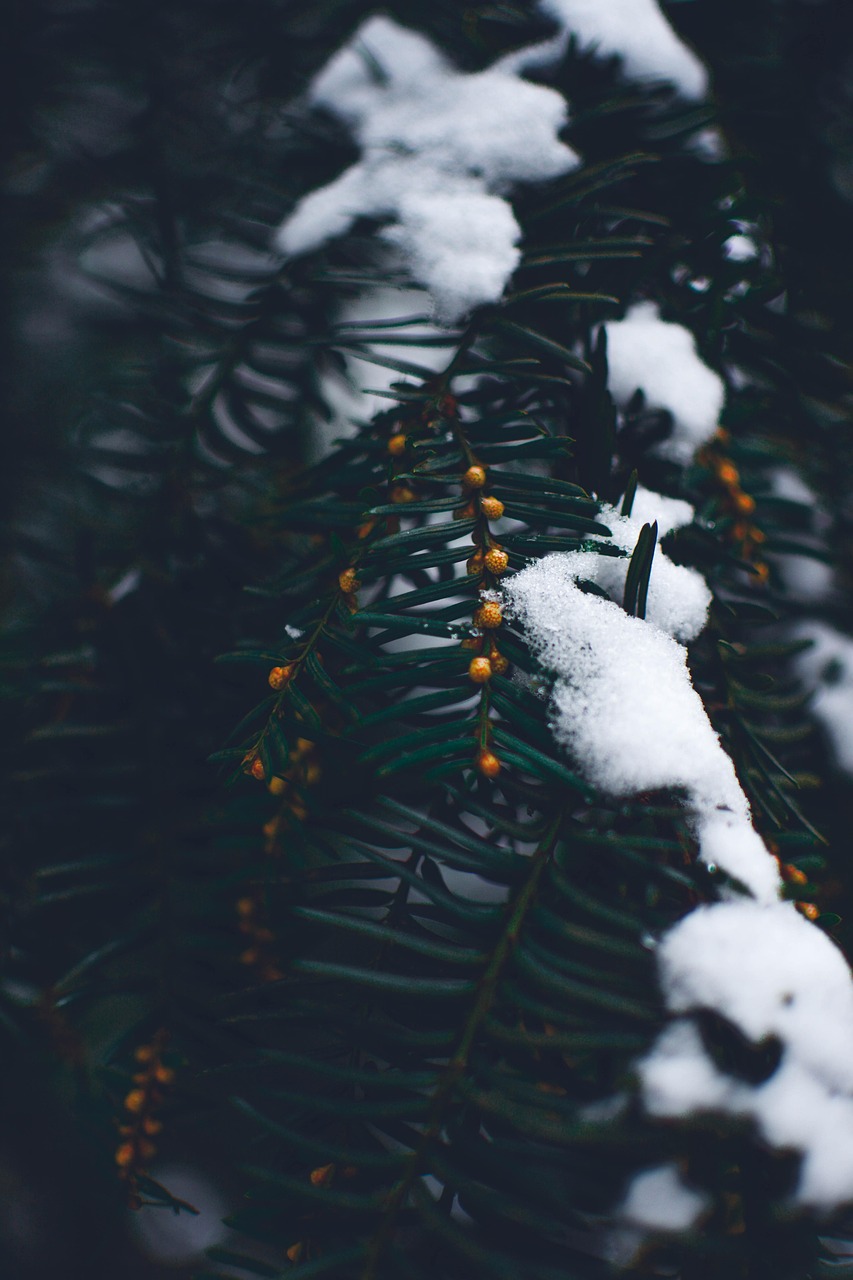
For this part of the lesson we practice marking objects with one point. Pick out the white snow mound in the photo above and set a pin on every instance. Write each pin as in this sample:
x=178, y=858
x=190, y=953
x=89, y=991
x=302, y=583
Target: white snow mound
x=440, y=151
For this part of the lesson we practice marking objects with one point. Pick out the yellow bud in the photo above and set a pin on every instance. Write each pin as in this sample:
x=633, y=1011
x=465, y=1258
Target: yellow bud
x=488, y=616
x=474, y=477
x=322, y=1175
x=488, y=764
x=480, y=670
x=496, y=561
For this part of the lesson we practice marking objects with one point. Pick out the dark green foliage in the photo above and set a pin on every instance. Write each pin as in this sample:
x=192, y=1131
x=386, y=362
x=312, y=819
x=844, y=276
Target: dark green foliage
x=377, y=964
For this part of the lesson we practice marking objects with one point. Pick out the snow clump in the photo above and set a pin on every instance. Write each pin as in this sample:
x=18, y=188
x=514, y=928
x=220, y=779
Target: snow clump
x=440, y=151
x=622, y=702
x=623, y=705
x=649, y=354
x=777, y=978
x=658, y=1200
x=637, y=32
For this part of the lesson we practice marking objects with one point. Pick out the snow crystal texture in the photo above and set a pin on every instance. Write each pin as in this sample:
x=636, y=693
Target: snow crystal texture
x=440, y=150
x=622, y=703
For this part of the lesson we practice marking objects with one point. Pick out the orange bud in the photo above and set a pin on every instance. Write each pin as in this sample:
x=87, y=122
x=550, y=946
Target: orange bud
x=397, y=445
x=402, y=493
x=500, y=664
x=809, y=909
x=280, y=676
x=480, y=670
x=151, y=1126
x=488, y=764
x=474, y=477
x=257, y=769
x=144, y=1053
x=322, y=1175
x=475, y=564
x=728, y=473
x=348, y=582
x=294, y=1253
x=472, y=642
x=492, y=508
x=496, y=561
x=488, y=616
x=124, y=1155
x=135, y=1101
x=164, y=1075
x=276, y=786
x=745, y=503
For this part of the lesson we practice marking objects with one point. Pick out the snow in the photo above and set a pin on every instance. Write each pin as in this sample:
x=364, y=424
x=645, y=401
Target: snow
x=658, y=1200
x=678, y=597
x=622, y=701
x=623, y=705
x=827, y=668
x=773, y=974
x=645, y=352
x=440, y=150
x=634, y=30
x=740, y=248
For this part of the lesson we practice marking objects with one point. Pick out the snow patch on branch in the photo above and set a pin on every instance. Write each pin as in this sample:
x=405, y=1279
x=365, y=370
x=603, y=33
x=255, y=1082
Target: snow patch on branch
x=637, y=32
x=440, y=151
x=678, y=597
x=622, y=701
x=623, y=705
x=634, y=30
x=649, y=354
x=780, y=981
